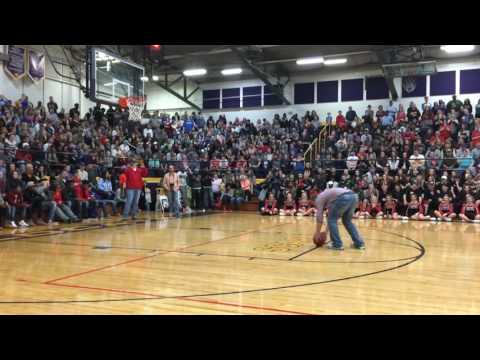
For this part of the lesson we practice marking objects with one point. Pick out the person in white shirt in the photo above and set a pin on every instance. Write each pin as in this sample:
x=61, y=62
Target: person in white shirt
x=417, y=160
x=352, y=161
x=216, y=187
x=392, y=110
x=148, y=130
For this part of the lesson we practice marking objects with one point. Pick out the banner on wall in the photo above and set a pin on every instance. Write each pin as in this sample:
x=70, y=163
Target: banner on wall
x=409, y=84
x=36, y=65
x=16, y=65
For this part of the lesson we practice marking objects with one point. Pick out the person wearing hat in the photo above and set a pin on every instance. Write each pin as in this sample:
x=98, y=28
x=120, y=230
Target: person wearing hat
x=341, y=203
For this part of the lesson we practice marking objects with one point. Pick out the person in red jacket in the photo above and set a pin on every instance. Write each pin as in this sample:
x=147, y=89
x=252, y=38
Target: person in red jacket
x=469, y=211
x=63, y=211
x=270, y=206
x=390, y=208
x=445, y=210
x=289, y=206
x=340, y=121
x=134, y=186
x=15, y=200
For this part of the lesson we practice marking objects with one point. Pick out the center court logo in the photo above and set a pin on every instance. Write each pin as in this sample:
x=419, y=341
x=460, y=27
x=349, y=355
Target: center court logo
x=280, y=246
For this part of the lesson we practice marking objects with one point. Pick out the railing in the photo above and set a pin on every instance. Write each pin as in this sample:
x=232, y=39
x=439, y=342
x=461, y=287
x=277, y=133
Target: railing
x=317, y=146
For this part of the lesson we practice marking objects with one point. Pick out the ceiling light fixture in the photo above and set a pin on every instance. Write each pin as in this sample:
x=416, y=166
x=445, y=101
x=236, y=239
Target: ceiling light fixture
x=310, y=61
x=155, y=78
x=144, y=78
x=335, y=61
x=452, y=49
x=195, y=72
x=227, y=72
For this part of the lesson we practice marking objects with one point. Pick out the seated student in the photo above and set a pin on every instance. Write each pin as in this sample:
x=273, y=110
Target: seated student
x=289, y=207
x=80, y=200
x=4, y=211
x=445, y=210
x=120, y=198
x=105, y=195
x=470, y=212
x=16, y=207
x=363, y=211
x=226, y=198
x=63, y=211
x=306, y=207
x=34, y=204
x=270, y=206
x=415, y=209
x=238, y=196
x=390, y=208
x=375, y=210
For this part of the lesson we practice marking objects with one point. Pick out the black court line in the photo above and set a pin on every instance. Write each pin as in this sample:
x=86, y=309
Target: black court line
x=249, y=257
x=416, y=258
x=303, y=253
x=419, y=247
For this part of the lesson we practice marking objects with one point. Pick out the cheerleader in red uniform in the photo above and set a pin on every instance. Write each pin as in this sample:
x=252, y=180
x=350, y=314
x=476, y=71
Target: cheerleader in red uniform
x=270, y=206
x=445, y=210
x=289, y=207
x=375, y=210
x=390, y=208
x=363, y=211
x=306, y=207
x=470, y=211
x=415, y=209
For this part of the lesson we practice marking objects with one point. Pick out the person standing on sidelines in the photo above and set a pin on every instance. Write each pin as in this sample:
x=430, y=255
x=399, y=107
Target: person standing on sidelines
x=171, y=184
x=340, y=203
x=134, y=185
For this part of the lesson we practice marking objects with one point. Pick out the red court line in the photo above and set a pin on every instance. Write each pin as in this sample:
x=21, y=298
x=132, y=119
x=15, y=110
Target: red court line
x=150, y=256
x=246, y=306
x=107, y=290
x=206, y=301
x=101, y=268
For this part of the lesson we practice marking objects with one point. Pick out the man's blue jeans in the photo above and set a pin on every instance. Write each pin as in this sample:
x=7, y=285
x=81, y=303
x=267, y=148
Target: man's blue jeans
x=131, y=206
x=343, y=207
x=173, y=205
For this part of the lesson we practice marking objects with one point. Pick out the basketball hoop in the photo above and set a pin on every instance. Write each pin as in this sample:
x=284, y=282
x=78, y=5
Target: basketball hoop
x=135, y=105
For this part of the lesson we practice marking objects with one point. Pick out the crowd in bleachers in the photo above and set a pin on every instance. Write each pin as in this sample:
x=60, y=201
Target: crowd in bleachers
x=59, y=165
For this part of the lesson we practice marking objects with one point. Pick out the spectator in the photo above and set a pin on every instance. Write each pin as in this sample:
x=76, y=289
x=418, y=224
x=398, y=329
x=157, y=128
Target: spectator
x=171, y=184
x=133, y=185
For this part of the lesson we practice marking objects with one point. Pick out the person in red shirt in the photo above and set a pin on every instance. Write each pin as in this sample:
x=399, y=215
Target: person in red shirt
x=289, y=207
x=270, y=206
x=470, y=212
x=375, y=210
x=476, y=136
x=445, y=210
x=390, y=208
x=363, y=210
x=415, y=209
x=134, y=185
x=15, y=200
x=306, y=207
x=340, y=121
x=63, y=211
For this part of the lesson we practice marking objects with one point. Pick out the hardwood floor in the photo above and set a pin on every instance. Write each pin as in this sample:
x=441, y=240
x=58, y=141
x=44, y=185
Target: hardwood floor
x=238, y=263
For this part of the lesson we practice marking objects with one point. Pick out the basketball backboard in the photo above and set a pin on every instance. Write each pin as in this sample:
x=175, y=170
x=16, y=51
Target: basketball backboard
x=112, y=77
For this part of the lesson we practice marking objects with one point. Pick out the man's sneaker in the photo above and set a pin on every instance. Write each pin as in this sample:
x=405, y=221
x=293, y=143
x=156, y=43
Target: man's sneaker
x=361, y=247
x=12, y=224
x=332, y=247
x=23, y=224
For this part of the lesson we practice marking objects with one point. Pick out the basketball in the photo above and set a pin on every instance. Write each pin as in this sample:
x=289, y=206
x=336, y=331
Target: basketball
x=320, y=240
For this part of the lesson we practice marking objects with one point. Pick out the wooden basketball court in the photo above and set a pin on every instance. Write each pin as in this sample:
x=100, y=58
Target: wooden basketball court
x=238, y=263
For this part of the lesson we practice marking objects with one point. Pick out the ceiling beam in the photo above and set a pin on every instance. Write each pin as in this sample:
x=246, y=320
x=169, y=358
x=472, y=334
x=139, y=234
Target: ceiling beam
x=261, y=75
x=179, y=96
x=385, y=57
